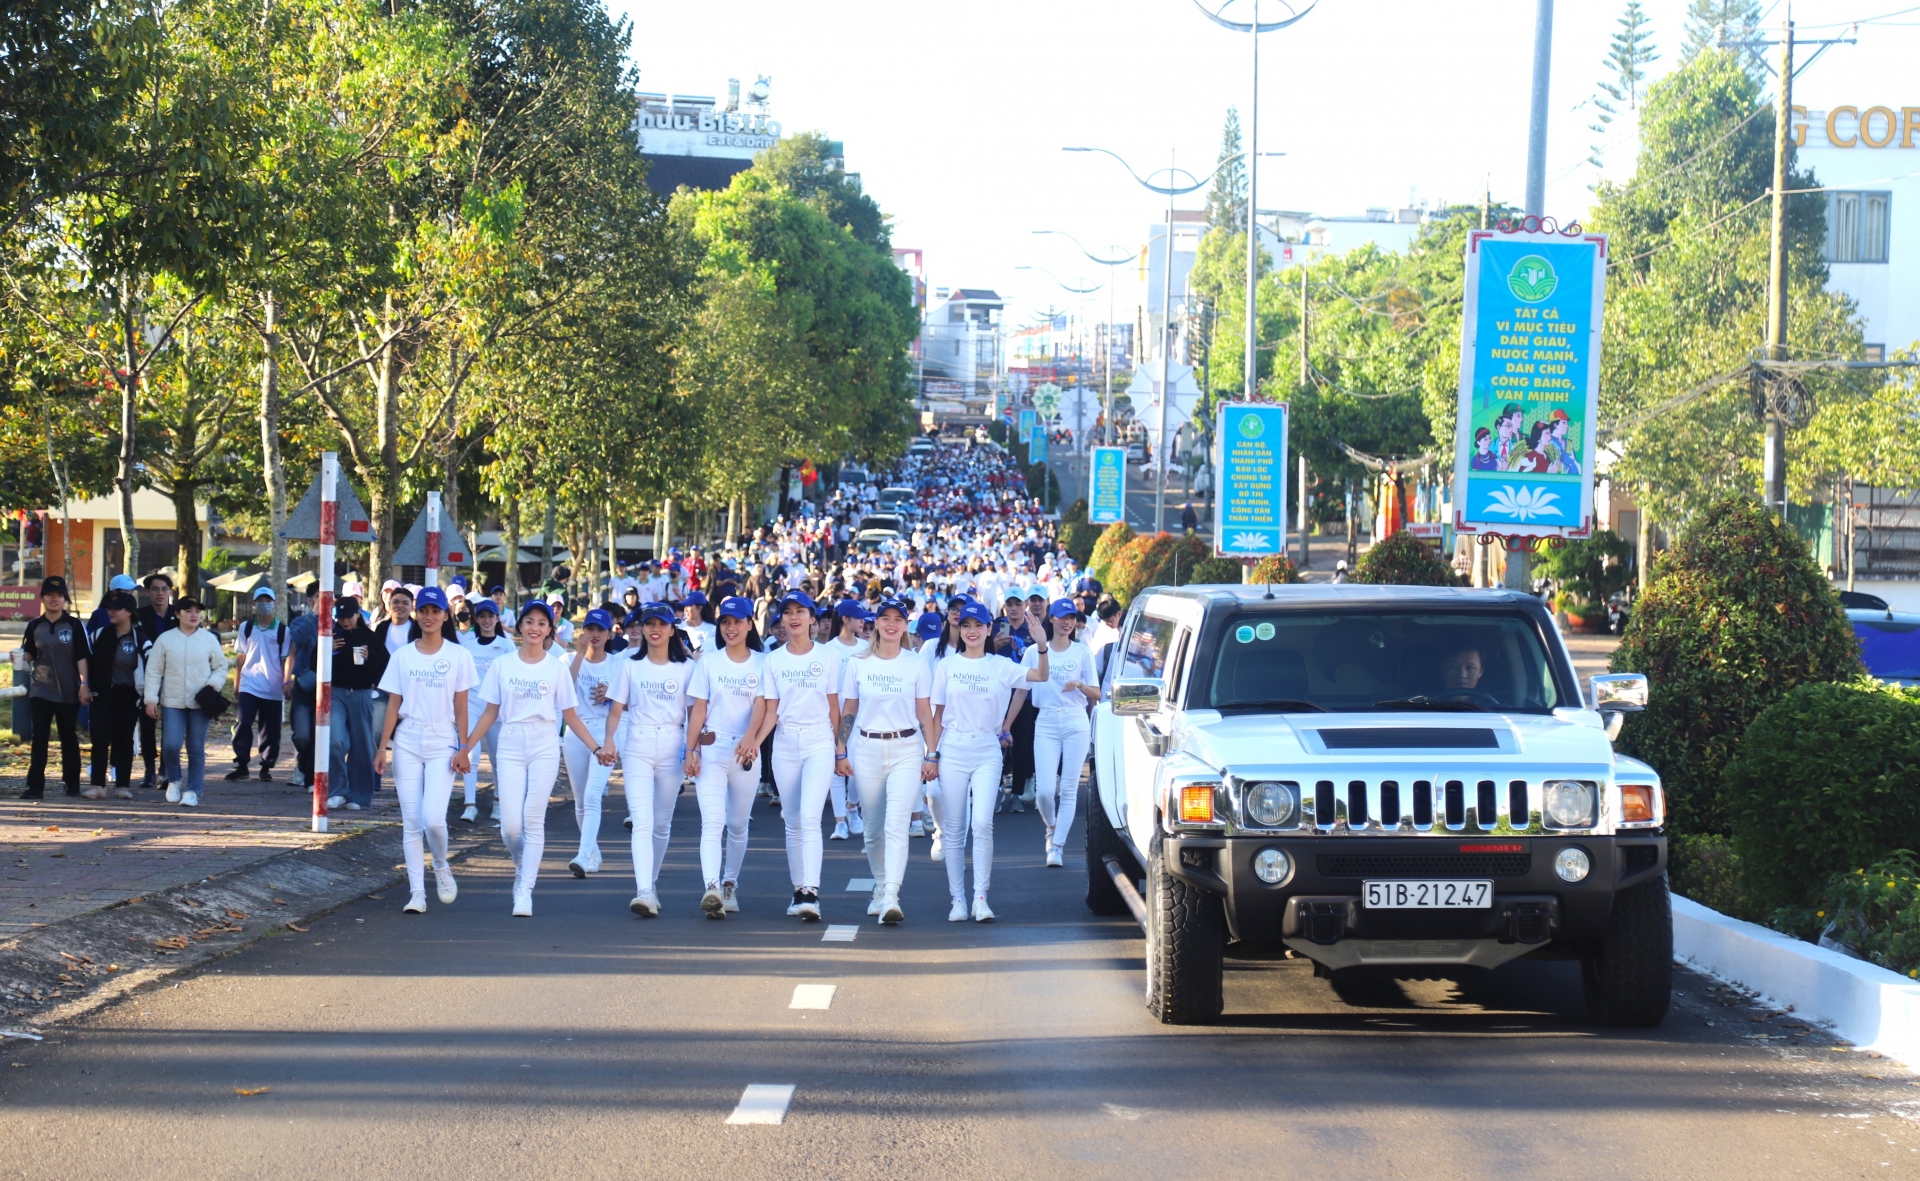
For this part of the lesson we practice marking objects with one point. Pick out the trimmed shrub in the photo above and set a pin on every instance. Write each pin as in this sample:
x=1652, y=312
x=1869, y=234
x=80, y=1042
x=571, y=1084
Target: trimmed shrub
x=1875, y=910
x=1706, y=868
x=1211, y=570
x=1736, y=616
x=1824, y=783
x=1590, y=569
x=1403, y=560
x=1076, y=534
x=1159, y=559
x=1077, y=511
x=1276, y=569
x=1116, y=538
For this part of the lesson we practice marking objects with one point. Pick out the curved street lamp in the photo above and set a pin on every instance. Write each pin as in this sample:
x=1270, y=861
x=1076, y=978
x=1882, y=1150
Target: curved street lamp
x=1107, y=397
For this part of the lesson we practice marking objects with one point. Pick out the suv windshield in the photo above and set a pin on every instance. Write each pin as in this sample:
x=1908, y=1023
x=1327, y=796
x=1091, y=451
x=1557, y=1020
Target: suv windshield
x=1364, y=660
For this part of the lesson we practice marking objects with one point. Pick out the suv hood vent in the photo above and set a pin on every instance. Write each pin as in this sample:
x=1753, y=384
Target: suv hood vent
x=1409, y=738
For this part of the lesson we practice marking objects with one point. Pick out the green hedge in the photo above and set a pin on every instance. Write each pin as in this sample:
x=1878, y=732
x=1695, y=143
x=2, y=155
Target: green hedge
x=1827, y=780
x=1116, y=538
x=1875, y=910
x=1403, y=560
x=1736, y=616
x=1159, y=559
x=1276, y=569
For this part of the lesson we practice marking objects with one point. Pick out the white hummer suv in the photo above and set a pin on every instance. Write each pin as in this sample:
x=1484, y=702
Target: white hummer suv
x=1396, y=776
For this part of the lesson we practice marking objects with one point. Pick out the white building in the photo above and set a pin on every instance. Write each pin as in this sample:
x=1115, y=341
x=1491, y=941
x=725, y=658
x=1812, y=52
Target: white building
x=959, y=354
x=701, y=141
x=1867, y=156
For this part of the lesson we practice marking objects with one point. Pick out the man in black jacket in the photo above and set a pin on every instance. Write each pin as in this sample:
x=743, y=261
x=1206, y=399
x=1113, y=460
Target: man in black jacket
x=57, y=645
x=119, y=670
x=359, y=661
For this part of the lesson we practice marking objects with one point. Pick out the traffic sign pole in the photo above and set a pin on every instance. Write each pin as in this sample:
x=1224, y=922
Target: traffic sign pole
x=323, y=688
x=433, y=539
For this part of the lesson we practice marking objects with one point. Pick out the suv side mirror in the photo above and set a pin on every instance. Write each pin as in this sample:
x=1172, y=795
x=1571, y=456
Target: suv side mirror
x=1616, y=695
x=1133, y=696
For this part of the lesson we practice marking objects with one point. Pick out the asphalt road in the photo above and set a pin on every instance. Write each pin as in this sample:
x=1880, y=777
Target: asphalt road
x=587, y=1043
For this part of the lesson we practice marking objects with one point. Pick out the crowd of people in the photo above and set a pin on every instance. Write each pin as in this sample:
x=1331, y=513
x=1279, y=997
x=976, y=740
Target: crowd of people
x=913, y=682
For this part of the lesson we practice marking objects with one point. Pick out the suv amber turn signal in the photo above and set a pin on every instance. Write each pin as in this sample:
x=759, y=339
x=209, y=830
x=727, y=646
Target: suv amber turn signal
x=1636, y=802
x=1196, y=804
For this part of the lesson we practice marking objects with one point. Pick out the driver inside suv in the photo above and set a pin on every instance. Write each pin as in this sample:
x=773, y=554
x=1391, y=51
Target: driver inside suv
x=1461, y=671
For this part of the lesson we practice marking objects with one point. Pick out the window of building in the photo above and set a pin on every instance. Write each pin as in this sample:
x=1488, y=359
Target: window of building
x=1857, y=226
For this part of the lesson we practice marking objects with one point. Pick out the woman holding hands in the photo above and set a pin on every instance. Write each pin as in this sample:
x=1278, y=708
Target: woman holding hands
x=650, y=698
x=886, y=688
x=724, y=758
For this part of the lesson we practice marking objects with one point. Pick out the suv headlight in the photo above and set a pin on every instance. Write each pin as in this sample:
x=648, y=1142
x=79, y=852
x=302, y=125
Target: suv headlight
x=1271, y=805
x=1570, y=803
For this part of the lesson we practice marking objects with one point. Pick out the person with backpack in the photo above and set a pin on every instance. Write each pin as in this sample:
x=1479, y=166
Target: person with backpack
x=120, y=662
x=261, y=645
x=56, y=645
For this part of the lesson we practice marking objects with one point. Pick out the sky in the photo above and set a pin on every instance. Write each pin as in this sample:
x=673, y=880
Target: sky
x=954, y=115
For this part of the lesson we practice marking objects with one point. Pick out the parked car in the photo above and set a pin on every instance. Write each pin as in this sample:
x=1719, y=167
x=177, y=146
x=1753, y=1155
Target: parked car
x=1889, y=640
x=898, y=499
x=1372, y=776
x=854, y=477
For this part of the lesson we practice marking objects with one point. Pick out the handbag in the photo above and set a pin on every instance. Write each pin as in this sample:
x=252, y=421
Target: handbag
x=210, y=702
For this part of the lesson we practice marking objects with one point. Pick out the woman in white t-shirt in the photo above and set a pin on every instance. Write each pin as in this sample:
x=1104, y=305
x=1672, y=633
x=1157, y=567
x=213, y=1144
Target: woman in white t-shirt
x=800, y=678
x=593, y=674
x=1061, y=731
x=723, y=759
x=650, y=703
x=844, y=642
x=486, y=643
x=426, y=685
x=694, y=625
x=973, y=713
x=887, y=689
x=531, y=695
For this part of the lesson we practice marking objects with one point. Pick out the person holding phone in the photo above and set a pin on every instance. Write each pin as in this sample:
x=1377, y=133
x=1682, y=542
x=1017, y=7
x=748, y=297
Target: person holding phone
x=426, y=685
x=650, y=699
x=723, y=759
x=1061, y=730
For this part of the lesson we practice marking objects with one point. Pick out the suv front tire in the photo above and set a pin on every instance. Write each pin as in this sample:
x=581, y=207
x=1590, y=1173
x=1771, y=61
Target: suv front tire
x=1186, y=945
x=1628, y=976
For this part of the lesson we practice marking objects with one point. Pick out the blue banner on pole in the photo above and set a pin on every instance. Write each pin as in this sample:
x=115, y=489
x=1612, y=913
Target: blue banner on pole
x=1107, y=486
x=1250, y=512
x=1036, y=443
x=1027, y=420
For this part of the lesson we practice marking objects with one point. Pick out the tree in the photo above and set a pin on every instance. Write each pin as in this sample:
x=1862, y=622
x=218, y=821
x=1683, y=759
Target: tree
x=1227, y=199
x=1716, y=24
x=808, y=166
x=1628, y=54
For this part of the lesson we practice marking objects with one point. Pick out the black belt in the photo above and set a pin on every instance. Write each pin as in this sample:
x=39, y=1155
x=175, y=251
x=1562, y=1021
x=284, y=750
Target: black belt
x=891, y=734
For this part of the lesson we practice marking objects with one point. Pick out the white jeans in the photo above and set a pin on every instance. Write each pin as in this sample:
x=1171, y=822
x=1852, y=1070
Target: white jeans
x=969, y=777
x=886, y=779
x=490, y=743
x=423, y=779
x=725, y=792
x=587, y=780
x=654, y=759
x=1060, y=737
x=528, y=768
x=803, y=768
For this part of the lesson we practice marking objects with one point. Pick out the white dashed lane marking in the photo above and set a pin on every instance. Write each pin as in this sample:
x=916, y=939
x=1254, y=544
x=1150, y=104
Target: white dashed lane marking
x=860, y=886
x=836, y=933
x=763, y=1103
x=812, y=996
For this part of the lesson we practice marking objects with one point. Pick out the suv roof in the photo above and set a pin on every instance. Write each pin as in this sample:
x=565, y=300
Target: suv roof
x=1322, y=594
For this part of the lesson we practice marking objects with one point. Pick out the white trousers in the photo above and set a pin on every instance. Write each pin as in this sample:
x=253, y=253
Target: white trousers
x=837, y=796
x=423, y=779
x=587, y=780
x=654, y=760
x=803, y=769
x=886, y=779
x=725, y=792
x=529, y=767
x=1060, y=737
x=489, y=743
x=969, y=780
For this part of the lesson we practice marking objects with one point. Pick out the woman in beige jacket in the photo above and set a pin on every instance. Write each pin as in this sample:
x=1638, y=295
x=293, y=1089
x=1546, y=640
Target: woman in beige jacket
x=183, y=661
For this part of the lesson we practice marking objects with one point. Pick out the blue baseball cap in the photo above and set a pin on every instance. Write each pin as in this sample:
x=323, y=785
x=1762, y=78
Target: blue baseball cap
x=429, y=596
x=496, y=590
x=599, y=618
x=850, y=609
x=930, y=626
x=694, y=599
x=891, y=604
x=800, y=598
x=631, y=618
x=488, y=606
x=459, y=583
x=1062, y=608
x=976, y=613
x=533, y=605
x=121, y=582
x=656, y=613
x=736, y=608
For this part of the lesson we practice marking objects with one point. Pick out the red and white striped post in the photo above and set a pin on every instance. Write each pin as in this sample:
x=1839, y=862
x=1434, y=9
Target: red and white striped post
x=433, y=539
x=323, y=604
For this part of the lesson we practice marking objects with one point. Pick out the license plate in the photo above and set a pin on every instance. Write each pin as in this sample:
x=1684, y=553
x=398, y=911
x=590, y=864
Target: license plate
x=1416, y=895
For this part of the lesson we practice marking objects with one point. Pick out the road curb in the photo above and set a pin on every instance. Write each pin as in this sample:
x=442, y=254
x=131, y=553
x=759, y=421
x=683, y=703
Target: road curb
x=108, y=953
x=1866, y=1004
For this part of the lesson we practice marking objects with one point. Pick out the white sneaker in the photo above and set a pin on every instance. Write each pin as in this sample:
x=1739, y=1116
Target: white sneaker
x=1054, y=859
x=959, y=912
x=645, y=904
x=416, y=904
x=879, y=898
x=173, y=793
x=714, y=902
x=793, y=908
x=471, y=814
x=854, y=824
x=982, y=913
x=890, y=912
x=351, y=806
x=443, y=877
x=334, y=803
x=809, y=909
x=190, y=799
x=522, y=904
x=939, y=848
x=727, y=894
x=839, y=831
x=916, y=828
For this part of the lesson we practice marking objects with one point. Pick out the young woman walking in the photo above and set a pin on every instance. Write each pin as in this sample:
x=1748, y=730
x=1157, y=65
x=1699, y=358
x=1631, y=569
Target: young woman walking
x=974, y=707
x=593, y=674
x=1061, y=731
x=845, y=642
x=807, y=715
x=650, y=698
x=723, y=758
x=531, y=695
x=426, y=684
x=485, y=643
x=886, y=689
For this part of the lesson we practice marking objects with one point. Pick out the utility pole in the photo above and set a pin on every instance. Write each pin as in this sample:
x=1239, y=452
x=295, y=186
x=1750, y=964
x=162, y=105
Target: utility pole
x=1162, y=450
x=1520, y=562
x=1776, y=448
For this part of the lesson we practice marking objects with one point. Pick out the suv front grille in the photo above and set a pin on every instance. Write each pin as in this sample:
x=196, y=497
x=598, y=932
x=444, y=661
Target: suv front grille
x=1417, y=865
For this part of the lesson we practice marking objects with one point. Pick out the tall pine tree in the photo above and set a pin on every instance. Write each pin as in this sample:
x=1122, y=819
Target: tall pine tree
x=1712, y=24
x=1227, y=202
x=1628, y=55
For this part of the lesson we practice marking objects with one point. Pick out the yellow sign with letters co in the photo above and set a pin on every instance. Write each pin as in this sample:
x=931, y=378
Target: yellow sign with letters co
x=1861, y=127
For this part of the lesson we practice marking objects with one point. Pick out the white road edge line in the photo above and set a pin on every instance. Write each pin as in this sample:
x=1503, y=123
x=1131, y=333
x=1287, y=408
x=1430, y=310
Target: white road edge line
x=860, y=885
x=838, y=933
x=763, y=1103
x=812, y=996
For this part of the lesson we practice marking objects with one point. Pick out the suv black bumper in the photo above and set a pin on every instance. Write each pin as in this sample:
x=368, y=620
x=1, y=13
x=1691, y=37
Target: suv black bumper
x=1322, y=901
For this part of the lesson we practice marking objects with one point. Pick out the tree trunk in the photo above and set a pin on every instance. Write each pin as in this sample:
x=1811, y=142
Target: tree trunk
x=1643, y=541
x=383, y=486
x=124, y=472
x=66, y=520
x=512, y=575
x=186, y=536
x=546, y=546
x=450, y=450
x=274, y=469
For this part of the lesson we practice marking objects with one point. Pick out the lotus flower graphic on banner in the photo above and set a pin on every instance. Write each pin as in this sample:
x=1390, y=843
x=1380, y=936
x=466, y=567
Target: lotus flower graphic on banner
x=1523, y=504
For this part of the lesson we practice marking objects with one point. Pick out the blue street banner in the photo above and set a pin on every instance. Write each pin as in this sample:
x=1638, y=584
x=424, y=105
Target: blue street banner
x=1529, y=396
x=1250, y=513
x=1036, y=443
x=1107, y=486
x=1027, y=420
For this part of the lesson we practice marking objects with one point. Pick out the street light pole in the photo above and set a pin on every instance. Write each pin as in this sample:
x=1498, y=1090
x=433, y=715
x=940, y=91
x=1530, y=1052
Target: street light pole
x=1166, y=346
x=1519, y=575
